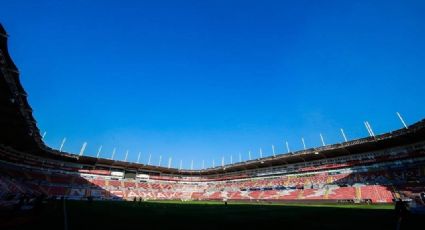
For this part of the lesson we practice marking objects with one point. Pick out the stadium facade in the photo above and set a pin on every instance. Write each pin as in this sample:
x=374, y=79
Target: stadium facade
x=374, y=169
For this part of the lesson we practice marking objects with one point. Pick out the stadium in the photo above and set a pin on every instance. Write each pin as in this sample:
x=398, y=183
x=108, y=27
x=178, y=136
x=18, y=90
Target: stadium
x=376, y=182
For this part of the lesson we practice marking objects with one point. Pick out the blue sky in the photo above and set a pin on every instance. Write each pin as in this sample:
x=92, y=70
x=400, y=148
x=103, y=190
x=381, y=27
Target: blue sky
x=201, y=80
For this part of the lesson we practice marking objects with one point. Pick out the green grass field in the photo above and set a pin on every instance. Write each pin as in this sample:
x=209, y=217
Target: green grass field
x=210, y=215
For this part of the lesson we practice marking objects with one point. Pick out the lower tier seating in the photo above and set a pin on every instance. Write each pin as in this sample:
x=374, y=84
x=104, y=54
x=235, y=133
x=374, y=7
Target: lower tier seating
x=376, y=186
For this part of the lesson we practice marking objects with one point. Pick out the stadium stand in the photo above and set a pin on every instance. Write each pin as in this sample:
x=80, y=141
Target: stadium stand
x=375, y=169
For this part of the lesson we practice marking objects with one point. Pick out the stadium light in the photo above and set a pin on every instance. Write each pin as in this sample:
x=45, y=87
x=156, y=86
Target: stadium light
x=113, y=153
x=249, y=155
x=401, y=119
x=83, y=148
x=261, y=153
x=302, y=139
x=274, y=154
x=126, y=155
x=98, y=151
x=150, y=157
x=180, y=168
x=213, y=163
x=138, y=157
x=240, y=157
x=203, y=164
x=191, y=165
x=160, y=159
x=231, y=159
x=169, y=162
x=343, y=135
x=287, y=147
x=369, y=129
x=222, y=161
x=62, y=143
x=323, y=141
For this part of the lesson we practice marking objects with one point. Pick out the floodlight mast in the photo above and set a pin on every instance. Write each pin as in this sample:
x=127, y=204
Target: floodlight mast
x=113, y=153
x=287, y=147
x=150, y=157
x=83, y=148
x=343, y=135
x=126, y=155
x=98, y=151
x=169, y=162
x=302, y=140
x=138, y=158
x=274, y=154
x=402, y=120
x=321, y=138
x=62, y=143
x=369, y=129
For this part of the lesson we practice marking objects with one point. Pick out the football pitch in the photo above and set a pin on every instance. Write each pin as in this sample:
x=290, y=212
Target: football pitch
x=209, y=215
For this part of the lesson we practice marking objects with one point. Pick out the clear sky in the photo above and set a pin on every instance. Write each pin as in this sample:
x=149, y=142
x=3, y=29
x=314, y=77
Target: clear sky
x=199, y=80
